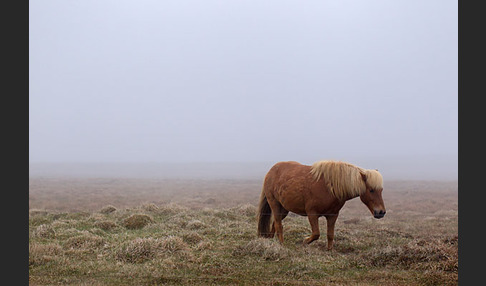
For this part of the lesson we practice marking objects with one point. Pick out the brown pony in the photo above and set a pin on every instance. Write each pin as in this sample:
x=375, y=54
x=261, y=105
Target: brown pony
x=315, y=191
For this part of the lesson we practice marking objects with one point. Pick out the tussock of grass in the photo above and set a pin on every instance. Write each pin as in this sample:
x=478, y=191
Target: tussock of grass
x=105, y=225
x=107, y=209
x=191, y=237
x=37, y=212
x=452, y=240
x=204, y=245
x=35, y=221
x=195, y=224
x=150, y=207
x=65, y=233
x=86, y=241
x=268, y=249
x=43, y=253
x=137, y=221
x=138, y=250
x=172, y=244
x=246, y=210
x=97, y=231
x=171, y=208
x=64, y=222
x=179, y=220
x=45, y=231
x=296, y=232
x=417, y=254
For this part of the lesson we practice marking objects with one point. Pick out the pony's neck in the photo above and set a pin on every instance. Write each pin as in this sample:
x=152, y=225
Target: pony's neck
x=351, y=196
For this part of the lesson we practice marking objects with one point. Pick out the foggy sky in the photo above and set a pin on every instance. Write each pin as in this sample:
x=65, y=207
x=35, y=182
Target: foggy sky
x=244, y=81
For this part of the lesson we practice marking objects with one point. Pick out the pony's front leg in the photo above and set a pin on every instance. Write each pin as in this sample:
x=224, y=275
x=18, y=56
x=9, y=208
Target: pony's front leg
x=331, y=221
x=314, y=222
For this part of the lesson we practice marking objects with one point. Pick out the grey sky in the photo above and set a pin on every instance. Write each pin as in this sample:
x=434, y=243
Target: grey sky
x=182, y=81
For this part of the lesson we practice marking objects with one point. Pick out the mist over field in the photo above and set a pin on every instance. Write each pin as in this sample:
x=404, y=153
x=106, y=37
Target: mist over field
x=394, y=168
x=162, y=84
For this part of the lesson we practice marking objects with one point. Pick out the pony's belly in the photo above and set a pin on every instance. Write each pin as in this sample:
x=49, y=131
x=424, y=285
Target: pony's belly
x=293, y=201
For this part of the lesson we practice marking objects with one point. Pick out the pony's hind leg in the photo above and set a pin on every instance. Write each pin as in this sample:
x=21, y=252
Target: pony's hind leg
x=282, y=215
x=272, y=231
x=279, y=213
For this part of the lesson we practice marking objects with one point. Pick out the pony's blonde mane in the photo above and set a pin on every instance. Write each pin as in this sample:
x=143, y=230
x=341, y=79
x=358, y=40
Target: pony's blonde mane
x=345, y=180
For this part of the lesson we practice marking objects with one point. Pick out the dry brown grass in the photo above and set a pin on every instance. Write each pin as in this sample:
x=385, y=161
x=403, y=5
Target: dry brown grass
x=204, y=233
x=43, y=253
x=195, y=224
x=137, y=221
x=265, y=248
x=44, y=231
x=84, y=241
x=107, y=209
x=106, y=225
x=138, y=250
x=192, y=237
x=417, y=254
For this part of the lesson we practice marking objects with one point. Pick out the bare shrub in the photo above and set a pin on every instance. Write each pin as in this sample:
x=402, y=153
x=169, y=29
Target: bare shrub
x=137, y=221
x=107, y=209
x=268, y=249
x=44, y=231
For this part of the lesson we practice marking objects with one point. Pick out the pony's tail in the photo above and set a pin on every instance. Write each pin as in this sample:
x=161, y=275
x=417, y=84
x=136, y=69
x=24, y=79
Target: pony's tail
x=264, y=215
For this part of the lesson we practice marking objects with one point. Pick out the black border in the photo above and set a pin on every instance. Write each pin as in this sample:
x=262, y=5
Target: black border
x=15, y=139
x=471, y=142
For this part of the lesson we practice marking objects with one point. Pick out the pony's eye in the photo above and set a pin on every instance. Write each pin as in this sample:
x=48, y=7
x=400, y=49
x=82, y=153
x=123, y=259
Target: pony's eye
x=371, y=190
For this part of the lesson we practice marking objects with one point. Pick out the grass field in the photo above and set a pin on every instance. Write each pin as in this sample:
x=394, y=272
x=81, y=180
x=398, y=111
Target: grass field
x=119, y=231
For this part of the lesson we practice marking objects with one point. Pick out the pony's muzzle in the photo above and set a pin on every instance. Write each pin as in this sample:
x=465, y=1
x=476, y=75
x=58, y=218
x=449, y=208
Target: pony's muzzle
x=379, y=214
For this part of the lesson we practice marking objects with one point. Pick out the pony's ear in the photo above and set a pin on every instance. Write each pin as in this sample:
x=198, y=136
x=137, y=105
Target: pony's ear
x=363, y=175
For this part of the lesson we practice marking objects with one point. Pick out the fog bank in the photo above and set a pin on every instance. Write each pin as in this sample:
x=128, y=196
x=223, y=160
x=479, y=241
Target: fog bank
x=397, y=168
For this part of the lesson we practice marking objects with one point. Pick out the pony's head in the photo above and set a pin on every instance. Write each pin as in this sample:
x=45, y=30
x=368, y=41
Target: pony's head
x=371, y=197
x=346, y=181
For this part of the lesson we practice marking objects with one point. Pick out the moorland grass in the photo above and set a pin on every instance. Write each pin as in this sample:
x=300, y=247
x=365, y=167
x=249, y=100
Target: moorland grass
x=172, y=244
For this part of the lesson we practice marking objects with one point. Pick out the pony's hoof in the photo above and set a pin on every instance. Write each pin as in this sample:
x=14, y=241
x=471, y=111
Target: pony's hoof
x=307, y=241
